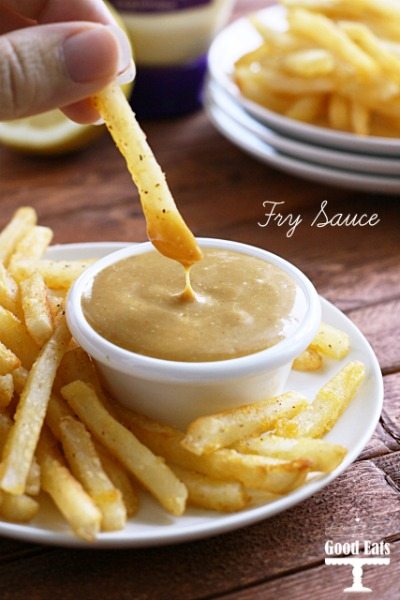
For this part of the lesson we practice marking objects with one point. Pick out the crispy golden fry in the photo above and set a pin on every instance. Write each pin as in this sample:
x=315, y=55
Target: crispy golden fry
x=68, y=494
x=6, y=390
x=37, y=316
x=330, y=402
x=252, y=471
x=20, y=376
x=9, y=292
x=32, y=246
x=149, y=469
x=371, y=44
x=331, y=342
x=207, y=434
x=324, y=455
x=59, y=274
x=223, y=496
x=120, y=479
x=22, y=221
x=290, y=85
x=8, y=360
x=20, y=509
x=33, y=481
x=306, y=108
x=360, y=118
x=86, y=466
x=309, y=360
x=314, y=62
x=328, y=35
x=15, y=336
x=56, y=303
x=23, y=437
x=58, y=409
x=76, y=364
x=165, y=226
x=339, y=112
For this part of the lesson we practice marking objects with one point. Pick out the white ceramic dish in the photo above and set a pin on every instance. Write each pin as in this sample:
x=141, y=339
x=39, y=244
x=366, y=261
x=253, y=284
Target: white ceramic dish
x=239, y=38
x=152, y=526
x=254, y=145
x=178, y=392
x=339, y=159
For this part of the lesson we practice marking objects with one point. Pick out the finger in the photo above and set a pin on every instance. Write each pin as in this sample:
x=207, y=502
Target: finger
x=47, y=66
x=81, y=112
x=53, y=11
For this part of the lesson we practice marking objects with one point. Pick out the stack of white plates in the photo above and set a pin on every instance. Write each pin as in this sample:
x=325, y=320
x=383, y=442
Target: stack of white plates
x=343, y=159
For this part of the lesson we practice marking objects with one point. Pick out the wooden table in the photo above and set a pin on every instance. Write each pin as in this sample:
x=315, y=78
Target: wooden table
x=89, y=197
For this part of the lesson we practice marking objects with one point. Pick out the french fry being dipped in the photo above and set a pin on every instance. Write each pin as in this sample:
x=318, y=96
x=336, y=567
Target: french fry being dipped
x=165, y=227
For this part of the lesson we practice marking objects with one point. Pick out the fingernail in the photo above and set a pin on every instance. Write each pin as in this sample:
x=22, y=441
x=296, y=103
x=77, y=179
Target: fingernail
x=124, y=47
x=91, y=54
x=127, y=75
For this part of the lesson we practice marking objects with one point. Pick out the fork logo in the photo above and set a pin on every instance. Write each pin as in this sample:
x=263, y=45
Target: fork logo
x=349, y=554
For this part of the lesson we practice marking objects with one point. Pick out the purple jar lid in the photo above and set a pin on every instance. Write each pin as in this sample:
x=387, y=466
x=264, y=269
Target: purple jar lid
x=169, y=91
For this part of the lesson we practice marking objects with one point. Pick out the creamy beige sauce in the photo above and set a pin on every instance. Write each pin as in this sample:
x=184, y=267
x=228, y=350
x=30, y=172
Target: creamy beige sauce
x=242, y=305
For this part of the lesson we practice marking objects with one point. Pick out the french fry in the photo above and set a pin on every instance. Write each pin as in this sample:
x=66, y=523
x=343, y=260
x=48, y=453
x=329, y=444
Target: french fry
x=309, y=360
x=324, y=455
x=86, y=466
x=204, y=492
x=6, y=390
x=33, y=480
x=8, y=360
x=23, y=437
x=207, y=434
x=331, y=342
x=252, y=471
x=314, y=62
x=330, y=402
x=329, y=36
x=32, y=246
x=59, y=274
x=338, y=112
x=37, y=316
x=20, y=376
x=15, y=336
x=306, y=108
x=120, y=479
x=360, y=118
x=371, y=44
x=19, y=509
x=58, y=410
x=22, y=221
x=165, y=227
x=68, y=494
x=9, y=293
x=149, y=469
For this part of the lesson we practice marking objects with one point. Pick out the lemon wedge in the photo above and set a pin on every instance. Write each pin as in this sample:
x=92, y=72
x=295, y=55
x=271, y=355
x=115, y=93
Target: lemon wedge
x=48, y=133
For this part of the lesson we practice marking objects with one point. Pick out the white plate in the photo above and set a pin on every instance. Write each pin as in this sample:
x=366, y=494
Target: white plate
x=239, y=38
x=252, y=144
x=152, y=526
x=349, y=161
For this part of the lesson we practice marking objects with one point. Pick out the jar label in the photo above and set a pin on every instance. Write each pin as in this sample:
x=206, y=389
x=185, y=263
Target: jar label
x=144, y=6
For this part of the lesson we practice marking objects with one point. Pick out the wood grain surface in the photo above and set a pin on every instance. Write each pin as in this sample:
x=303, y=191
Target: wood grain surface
x=88, y=196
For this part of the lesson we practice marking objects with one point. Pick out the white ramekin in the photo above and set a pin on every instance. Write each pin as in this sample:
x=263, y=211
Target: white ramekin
x=178, y=392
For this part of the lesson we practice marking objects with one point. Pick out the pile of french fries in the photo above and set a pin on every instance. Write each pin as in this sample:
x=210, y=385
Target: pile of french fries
x=61, y=435
x=337, y=65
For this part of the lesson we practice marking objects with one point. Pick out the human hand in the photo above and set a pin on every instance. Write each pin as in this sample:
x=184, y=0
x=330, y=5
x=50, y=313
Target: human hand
x=56, y=54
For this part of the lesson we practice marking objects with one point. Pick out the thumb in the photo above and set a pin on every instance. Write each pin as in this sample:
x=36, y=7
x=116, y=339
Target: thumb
x=47, y=66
